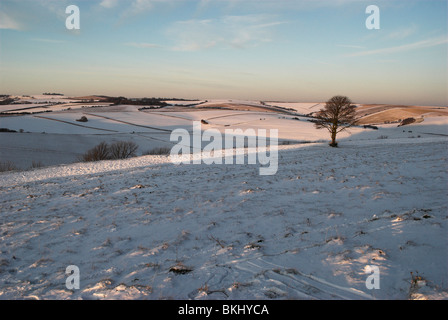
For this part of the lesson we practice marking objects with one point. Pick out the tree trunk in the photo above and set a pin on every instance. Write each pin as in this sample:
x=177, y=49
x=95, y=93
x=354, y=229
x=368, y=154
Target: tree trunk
x=333, y=138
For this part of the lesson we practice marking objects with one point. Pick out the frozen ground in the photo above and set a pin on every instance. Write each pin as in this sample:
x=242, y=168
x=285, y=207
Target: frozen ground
x=57, y=138
x=144, y=228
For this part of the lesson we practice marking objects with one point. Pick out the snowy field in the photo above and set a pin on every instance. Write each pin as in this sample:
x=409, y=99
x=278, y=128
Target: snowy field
x=145, y=228
x=58, y=138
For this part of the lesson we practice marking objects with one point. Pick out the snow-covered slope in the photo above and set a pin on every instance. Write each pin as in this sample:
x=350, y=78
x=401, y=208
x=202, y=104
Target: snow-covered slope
x=146, y=228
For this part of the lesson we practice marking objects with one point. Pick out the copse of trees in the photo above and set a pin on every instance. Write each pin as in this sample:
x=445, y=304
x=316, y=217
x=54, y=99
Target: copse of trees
x=138, y=102
x=117, y=150
x=6, y=101
x=82, y=119
x=122, y=150
x=337, y=115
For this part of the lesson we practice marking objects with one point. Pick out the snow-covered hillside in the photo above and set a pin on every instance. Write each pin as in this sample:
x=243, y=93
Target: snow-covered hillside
x=146, y=228
x=58, y=137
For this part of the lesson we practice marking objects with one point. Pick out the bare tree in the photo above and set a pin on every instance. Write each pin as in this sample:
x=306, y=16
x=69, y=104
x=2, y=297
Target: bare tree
x=122, y=149
x=338, y=115
x=7, y=166
x=97, y=153
x=117, y=150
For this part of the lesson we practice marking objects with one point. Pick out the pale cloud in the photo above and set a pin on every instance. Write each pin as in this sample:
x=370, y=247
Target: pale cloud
x=7, y=22
x=282, y=5
x=138, y=7
x=26, y=15
x=402, y=33
x=56, y=7
x=48, y=40
x=142, y=5
x=349, y=46
x=142, y=45
x=108, y=3
x=193, y=35
x=228, y=31
x=403, y=48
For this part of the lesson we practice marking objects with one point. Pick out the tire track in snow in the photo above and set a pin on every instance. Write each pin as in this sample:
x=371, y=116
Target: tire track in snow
x=129, y=123
x=75, y=124
x=287, y=281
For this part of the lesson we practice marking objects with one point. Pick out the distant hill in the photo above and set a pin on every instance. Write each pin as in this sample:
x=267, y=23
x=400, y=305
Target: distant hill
x=95, y=98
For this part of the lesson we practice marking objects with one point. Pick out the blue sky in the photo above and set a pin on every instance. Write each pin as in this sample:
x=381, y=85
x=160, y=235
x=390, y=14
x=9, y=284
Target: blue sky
x=286, y=50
